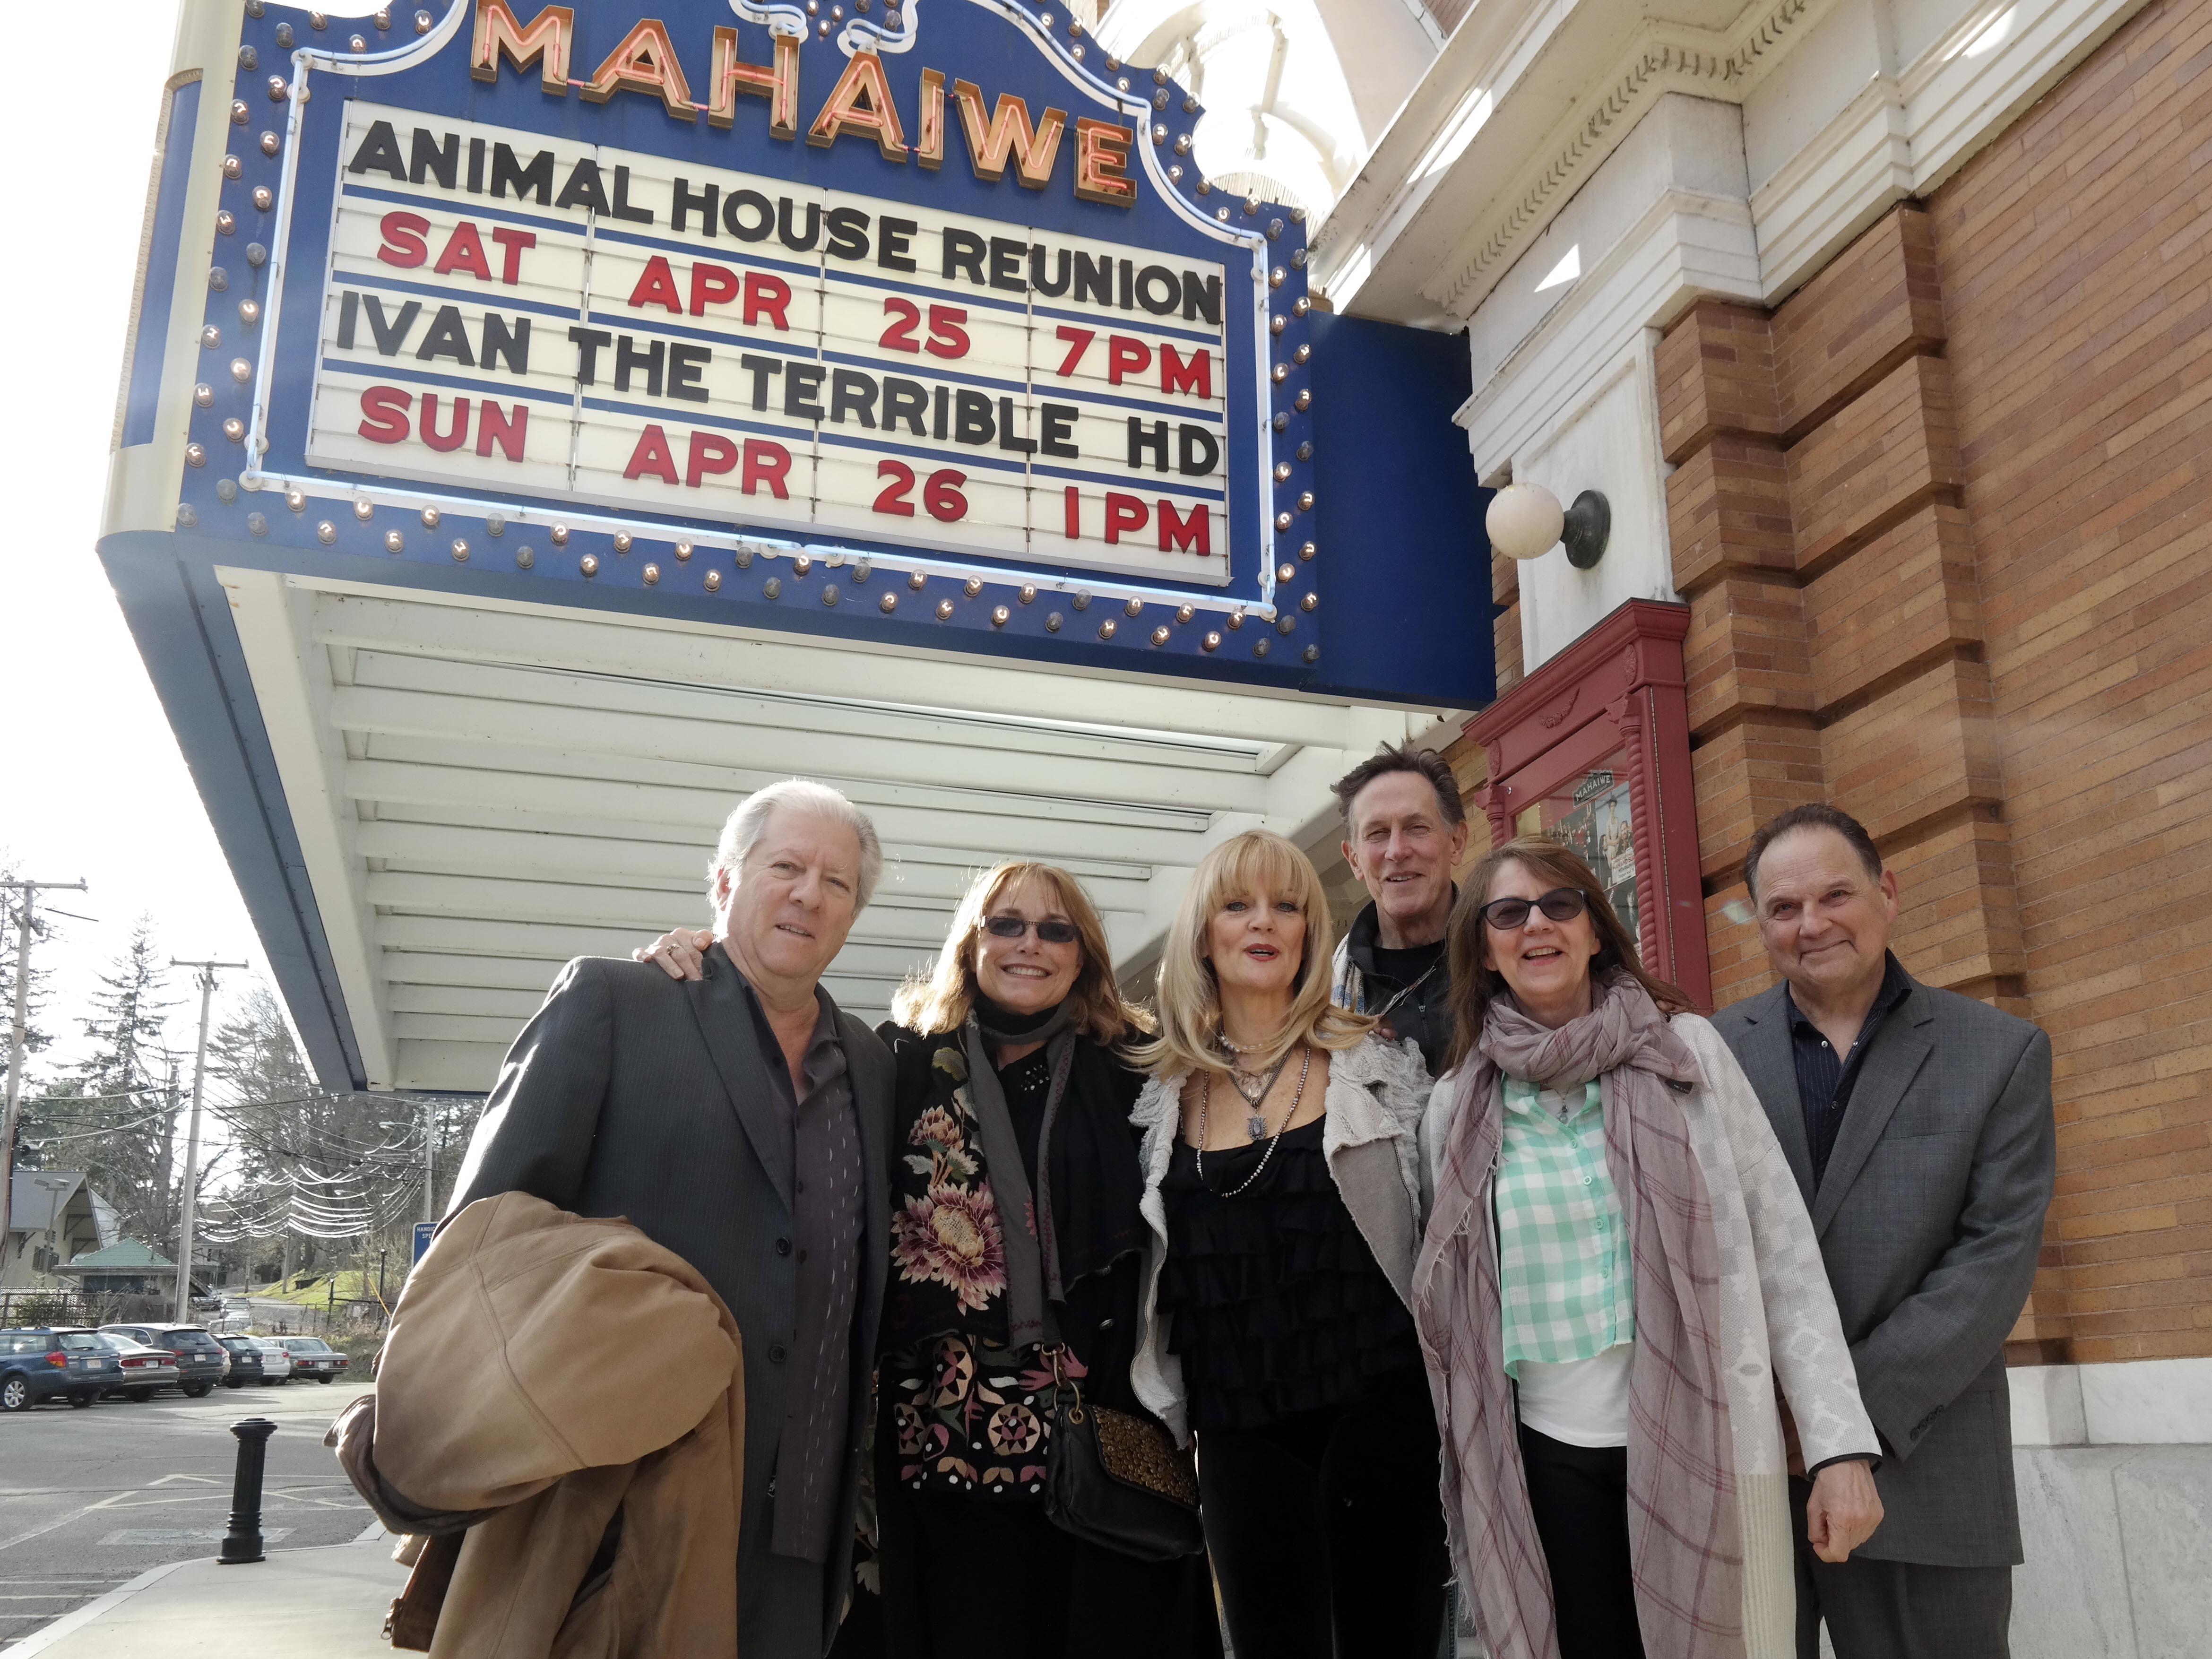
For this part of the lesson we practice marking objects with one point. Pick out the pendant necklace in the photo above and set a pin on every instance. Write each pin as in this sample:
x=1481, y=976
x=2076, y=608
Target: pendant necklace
x=1206, y=1098
x=1255, y=1125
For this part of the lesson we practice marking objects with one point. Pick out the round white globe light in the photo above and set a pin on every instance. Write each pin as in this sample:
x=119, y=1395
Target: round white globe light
x=1524, y=521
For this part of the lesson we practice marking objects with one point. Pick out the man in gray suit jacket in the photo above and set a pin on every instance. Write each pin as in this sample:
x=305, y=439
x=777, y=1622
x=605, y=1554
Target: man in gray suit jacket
x=739, y=1120
x=1918, y=1122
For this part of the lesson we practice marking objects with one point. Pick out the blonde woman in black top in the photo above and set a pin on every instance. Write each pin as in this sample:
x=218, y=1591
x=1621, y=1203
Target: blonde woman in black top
x=1282, y=1189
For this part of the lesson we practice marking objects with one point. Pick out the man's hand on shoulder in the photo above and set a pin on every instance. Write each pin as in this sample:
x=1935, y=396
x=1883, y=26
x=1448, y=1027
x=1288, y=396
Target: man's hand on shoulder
x=681, y=954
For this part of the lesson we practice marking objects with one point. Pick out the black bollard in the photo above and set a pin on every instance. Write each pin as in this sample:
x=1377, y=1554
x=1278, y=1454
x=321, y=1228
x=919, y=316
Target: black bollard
x=242, y=1543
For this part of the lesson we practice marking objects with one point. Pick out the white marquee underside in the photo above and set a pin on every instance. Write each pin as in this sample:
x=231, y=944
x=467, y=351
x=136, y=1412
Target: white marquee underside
x=483, y=790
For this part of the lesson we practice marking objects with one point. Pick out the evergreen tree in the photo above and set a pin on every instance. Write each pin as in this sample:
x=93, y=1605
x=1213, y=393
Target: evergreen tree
x=116, y=1118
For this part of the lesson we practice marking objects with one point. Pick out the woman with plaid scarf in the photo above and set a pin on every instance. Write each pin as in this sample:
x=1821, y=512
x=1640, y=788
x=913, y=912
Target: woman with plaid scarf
x=1620, y=1301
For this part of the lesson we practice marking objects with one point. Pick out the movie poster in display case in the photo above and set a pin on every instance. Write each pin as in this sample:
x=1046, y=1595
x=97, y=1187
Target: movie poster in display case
x=1592, y=749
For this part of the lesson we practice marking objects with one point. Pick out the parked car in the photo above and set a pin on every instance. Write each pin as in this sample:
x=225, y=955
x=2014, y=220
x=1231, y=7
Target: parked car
x=276, y=1360
x=312, y=1357
x=245, y=1354
x=146, y=1369
x=41, y=1364
x=200, y=1360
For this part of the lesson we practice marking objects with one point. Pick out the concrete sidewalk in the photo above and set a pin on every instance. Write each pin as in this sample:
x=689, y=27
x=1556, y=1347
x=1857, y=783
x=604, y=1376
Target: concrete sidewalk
x=329, y=1601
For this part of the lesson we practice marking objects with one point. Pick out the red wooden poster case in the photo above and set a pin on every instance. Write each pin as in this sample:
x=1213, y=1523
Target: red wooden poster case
x=1593, y=749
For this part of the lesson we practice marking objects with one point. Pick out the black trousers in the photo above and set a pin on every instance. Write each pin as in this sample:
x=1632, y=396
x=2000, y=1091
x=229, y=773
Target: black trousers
x=1580, y=1497
x=1897, y=1609
x=1326, y=1532
x=1001, y=1579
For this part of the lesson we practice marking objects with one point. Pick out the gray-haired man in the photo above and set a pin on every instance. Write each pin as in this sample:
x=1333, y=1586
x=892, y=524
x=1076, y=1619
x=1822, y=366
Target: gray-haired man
x=739, y=1120
x=1404, y=829
x=1918, y=1123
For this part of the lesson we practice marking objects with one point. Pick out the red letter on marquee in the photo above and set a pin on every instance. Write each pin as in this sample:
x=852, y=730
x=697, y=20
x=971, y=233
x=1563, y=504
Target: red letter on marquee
x=711, y=285
x=465, y=251
x=493, y=426
x=513, y=242
x=453, y=438
x=710, y=454
x=1196, y=377
x=383, y=413
x=651, y=456
x=1126, y=356
x=766, y=296
x=766, y=464
x=1193, y=534
x=1074, y=512
x=403, y=239
x=1077, y=341
x=1123, y=512
x=656, y=285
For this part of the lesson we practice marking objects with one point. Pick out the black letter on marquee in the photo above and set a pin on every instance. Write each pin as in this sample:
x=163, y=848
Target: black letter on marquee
x=442, y=160
x=447, y=337
x=762, y=369
x=1008, y=438
x=627, y=357
x=499, y=342
x=971, y=417
x=1094, y=279
x=389, y=338
x=622, y=208
x=1201, y=301
x=783, y=231
x=686, y=198
x=379, y=149
x=588, y=341
x=907, y=400
x=854, y=394
x=849, y=233
x=736, y=226
x=1150, y=282
x=685, y=364
x=891, y=238
x=348, y=308
x=534, y=181
x=802, y=385
x=963, y=252
x=1058, y=286
x=1155, y=441
x=476, y=167
x=585, y=189
x=1056, y=426
x=1006, y=263
x=1196, y=451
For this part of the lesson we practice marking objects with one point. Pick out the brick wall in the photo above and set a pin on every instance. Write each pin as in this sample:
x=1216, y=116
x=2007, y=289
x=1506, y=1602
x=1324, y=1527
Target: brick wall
x=1944, y=520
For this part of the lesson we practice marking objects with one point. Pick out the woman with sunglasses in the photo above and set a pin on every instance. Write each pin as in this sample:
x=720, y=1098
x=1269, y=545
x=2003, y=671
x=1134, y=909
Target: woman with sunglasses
x=1619, y=1280
x=1282, y=1184
x=1015, y=1183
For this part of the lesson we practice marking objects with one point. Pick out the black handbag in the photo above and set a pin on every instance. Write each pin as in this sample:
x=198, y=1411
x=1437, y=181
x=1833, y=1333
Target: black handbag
x=1116, y=1479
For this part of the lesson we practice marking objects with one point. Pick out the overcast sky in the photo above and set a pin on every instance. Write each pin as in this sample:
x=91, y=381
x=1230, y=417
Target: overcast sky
x=94, y=786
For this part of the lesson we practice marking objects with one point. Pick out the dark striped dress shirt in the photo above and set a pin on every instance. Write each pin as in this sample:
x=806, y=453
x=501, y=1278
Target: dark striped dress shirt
x=1826, y=1079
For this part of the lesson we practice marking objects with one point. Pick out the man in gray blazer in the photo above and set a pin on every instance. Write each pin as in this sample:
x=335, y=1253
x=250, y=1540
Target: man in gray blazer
x=1918, y=1122
x=739, y=1120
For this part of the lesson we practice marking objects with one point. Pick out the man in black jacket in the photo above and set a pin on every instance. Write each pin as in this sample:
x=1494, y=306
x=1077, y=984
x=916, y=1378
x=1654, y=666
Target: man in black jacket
x=740, y=1121
x=1918, y=1123
x=1405, y=828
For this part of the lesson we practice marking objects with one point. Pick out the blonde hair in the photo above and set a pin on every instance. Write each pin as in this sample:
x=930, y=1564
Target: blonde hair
x=1189, y=995
x=930, y=1003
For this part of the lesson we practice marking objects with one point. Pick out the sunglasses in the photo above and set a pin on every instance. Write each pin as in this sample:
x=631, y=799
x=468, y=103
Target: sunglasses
x=1054, y=932
x=1509, y=915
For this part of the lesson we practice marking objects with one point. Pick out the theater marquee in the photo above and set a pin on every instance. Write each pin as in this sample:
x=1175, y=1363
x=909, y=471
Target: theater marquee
x=911, y=323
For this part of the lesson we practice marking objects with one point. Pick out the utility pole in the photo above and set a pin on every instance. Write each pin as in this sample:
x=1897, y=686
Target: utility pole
x=192, y=1137
x=429, y=1160
x=30, y=890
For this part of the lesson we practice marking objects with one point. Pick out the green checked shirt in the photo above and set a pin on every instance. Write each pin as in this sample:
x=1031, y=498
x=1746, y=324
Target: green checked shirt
x=1564, y=1271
